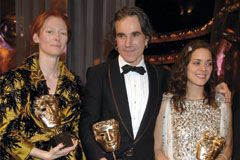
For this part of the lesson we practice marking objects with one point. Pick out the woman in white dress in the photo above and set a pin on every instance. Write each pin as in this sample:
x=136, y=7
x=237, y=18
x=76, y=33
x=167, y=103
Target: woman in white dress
x=191, y=108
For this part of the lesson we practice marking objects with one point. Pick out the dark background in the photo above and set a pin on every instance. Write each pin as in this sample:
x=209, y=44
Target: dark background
x=175, y=15
x=172, y=15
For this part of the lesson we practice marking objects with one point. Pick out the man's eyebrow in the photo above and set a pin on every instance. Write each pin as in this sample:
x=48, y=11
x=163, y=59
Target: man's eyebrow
x=120, y=33
x=135, y=32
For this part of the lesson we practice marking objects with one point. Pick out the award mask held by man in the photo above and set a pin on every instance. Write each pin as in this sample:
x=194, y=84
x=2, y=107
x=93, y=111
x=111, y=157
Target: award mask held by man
x=108, y=135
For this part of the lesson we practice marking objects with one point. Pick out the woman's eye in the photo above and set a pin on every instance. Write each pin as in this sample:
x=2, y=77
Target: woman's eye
x=49, y=31
x=209, y=64
x=196, y=63
x=64, y=33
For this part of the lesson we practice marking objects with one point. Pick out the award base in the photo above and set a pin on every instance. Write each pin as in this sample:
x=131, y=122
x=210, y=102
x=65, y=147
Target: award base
x=64, y=138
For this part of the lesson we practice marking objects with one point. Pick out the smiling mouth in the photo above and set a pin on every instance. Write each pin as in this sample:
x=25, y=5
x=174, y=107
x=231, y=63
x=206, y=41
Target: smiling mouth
x=201, y=76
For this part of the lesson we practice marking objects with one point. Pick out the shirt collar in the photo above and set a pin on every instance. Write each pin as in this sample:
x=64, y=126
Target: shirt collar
x=122, y=62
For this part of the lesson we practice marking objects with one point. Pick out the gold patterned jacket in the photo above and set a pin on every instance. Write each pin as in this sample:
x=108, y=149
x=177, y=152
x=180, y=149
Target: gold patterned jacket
x=19, y=128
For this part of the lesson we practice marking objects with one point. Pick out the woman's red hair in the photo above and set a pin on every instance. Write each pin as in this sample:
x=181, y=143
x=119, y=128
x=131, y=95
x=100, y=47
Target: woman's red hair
x=39, y=21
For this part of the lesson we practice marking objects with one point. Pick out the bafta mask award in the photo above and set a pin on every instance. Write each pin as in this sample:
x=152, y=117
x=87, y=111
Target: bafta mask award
x=49, y=116
x=209, y=147
x=108, y=135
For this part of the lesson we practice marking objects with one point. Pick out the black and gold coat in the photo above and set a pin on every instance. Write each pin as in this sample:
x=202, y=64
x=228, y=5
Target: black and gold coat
x=19, y=129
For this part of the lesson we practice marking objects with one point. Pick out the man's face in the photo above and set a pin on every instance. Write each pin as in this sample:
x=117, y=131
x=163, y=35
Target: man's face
x=107, y=134
x=130, y=39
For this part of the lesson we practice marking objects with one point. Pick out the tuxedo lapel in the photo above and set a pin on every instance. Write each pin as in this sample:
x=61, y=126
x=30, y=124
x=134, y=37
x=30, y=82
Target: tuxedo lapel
x=119, y=94
x=152, y=104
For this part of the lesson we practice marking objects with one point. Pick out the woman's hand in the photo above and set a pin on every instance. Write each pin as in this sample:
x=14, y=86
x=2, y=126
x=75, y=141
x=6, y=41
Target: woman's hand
x=54, y=153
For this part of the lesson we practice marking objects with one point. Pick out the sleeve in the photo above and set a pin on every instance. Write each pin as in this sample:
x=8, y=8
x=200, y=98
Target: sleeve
x=90, y=114
x=10, y=109
x=163, y=133
x=226, y=115
x=225, y=124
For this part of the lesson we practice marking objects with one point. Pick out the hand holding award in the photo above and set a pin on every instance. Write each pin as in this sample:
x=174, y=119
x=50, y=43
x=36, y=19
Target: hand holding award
x=209, y=147
x=108, y=135
x=49, y=116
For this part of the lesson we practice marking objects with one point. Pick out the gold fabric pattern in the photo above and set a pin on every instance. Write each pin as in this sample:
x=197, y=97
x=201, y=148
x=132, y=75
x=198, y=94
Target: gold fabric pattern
x=36, y=73
x=19, y=127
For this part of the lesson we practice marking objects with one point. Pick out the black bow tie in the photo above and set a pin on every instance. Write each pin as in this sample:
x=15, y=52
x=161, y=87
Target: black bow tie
x=126, y=68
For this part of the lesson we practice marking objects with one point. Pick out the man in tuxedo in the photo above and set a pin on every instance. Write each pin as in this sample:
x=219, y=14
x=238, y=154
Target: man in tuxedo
x=125, y=88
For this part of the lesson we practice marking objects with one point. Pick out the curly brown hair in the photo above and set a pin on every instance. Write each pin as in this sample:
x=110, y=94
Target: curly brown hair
x=178, y=80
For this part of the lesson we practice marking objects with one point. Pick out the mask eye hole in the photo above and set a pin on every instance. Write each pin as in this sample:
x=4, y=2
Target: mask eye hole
x=102, y=135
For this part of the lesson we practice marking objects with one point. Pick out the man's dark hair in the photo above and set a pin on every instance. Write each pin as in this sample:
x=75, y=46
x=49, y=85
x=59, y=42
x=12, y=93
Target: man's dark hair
x=134, y=11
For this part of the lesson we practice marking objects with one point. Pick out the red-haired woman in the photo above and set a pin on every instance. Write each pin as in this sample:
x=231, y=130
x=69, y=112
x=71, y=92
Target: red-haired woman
x=27, y=129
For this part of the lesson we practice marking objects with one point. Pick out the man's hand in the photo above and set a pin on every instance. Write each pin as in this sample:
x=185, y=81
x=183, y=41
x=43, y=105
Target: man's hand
x=223, y=88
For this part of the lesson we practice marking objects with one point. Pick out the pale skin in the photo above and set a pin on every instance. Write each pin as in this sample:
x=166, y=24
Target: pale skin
x=199, y=70
x=52, y=41
x=130, y=39
x=54, y=153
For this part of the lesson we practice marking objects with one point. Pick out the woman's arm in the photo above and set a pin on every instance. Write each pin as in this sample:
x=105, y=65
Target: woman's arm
x=158, y=132
x=226, y=153
x=10, y=110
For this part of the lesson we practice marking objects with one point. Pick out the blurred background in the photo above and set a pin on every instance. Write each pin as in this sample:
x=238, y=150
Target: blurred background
x=175, y=22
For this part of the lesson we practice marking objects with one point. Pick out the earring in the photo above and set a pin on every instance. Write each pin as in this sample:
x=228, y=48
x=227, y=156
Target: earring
x=146, y=46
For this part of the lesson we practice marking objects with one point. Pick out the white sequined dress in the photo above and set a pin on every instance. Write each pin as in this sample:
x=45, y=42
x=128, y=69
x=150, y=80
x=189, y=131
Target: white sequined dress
x=182, y=131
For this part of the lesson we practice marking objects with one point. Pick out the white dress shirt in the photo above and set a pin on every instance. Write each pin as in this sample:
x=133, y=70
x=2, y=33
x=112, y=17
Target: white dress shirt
x=137, y=87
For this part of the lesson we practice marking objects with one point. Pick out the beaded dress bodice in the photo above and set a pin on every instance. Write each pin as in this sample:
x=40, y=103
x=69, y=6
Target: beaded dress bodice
x=183, y=130
x=190, y=125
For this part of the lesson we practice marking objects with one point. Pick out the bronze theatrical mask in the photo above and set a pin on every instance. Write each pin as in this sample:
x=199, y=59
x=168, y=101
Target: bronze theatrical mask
x=49, y=116
x=209, y=147
x=107, y=134
x=46, y=110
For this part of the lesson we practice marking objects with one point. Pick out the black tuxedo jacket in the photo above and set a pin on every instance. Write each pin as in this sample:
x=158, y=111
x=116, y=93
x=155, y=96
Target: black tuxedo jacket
x=236, y=126
x=106, y=98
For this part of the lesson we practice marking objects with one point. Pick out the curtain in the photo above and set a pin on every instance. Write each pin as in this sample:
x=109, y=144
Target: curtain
x=26, y=11
x=90, y=20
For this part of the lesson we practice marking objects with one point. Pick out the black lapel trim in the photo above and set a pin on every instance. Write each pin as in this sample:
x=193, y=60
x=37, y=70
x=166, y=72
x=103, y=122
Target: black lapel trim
x=119, y=94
